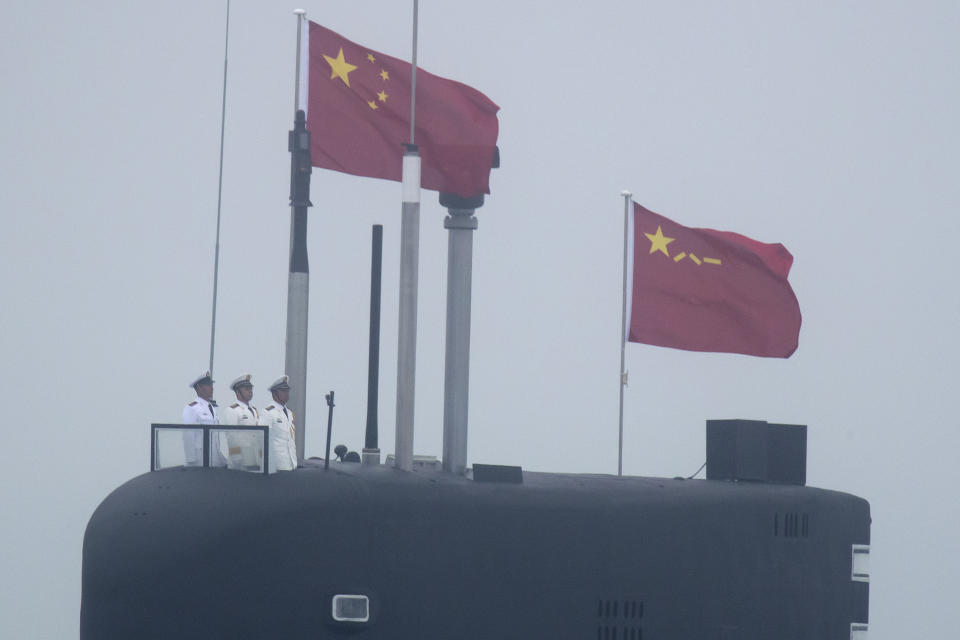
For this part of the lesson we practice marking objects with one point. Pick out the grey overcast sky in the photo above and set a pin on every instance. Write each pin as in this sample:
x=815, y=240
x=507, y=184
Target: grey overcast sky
x=828, y=126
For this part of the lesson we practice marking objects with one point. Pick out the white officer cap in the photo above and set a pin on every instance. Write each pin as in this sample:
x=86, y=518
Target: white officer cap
x=204, y=378
x=242, y=381
x=283, y=382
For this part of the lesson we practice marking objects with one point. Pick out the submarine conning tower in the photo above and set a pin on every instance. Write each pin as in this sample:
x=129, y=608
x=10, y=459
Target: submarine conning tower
x=369, y=551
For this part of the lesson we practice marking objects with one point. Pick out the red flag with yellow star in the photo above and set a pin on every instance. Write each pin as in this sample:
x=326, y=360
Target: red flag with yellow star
x=706, y=290
x=358, y=113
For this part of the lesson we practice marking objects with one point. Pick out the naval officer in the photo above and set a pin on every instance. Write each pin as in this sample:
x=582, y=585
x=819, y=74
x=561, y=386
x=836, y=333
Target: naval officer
x=245, y=449
x=203, y=410
x=283, y=447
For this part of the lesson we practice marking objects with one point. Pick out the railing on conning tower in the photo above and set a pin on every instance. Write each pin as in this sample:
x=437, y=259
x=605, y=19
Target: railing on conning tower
x=198, y=445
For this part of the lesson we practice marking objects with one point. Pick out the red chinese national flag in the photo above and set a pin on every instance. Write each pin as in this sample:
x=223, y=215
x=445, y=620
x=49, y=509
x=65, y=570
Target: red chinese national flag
x=358, y=113
x=706, y=290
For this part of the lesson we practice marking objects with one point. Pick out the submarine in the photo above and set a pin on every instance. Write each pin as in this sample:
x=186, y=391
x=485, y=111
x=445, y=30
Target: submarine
x=405, y=551
x=368, y=551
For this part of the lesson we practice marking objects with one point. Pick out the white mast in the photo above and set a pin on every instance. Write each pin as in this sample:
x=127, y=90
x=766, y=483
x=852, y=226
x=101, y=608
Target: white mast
x=623, y=327
x=409, y=283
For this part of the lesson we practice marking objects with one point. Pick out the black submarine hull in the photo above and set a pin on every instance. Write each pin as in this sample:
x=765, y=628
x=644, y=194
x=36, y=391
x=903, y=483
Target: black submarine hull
x=213, y=553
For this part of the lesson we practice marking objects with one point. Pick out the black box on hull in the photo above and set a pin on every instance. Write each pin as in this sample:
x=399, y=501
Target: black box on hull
x=756, y=450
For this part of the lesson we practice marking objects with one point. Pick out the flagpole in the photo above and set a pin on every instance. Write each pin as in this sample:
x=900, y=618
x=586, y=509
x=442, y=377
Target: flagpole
x=298, y=281
x=216, y=251
x=413, y=72
x=623, y=327
x=409, y=284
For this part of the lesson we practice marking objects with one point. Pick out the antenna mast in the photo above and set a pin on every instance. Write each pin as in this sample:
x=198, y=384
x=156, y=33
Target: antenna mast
x=216, y=251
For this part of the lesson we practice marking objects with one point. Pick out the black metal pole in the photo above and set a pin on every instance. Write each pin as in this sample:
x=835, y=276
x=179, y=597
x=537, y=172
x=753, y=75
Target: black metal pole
x=301, y=166
x=326, y=456
x=371, y=451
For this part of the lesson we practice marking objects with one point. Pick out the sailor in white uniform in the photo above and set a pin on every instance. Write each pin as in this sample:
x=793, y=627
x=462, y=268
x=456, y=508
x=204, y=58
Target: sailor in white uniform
x=283, y=448
x=245, y=449
x=203, y=410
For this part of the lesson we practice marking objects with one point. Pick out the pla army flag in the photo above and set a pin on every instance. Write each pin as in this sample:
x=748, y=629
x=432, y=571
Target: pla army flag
x=358, y=112
x=707, y=290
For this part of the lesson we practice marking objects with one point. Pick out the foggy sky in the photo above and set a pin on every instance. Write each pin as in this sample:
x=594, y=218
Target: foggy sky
x=829, y=127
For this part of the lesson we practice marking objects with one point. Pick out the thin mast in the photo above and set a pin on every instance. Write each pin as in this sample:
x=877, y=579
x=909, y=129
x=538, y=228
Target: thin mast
x=216, y=251
x=413, y=74
x=623, y=326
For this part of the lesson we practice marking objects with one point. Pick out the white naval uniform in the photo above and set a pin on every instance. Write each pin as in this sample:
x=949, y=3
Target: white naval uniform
x=199, y=411
x=245, y=450
x=283, y=448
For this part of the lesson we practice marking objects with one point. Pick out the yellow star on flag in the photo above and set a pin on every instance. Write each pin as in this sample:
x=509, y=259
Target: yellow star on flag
x=382, y=96
x=658, y=241
x=384, y=74
x=373, y=105
x=340, y=68
x=371, y=58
